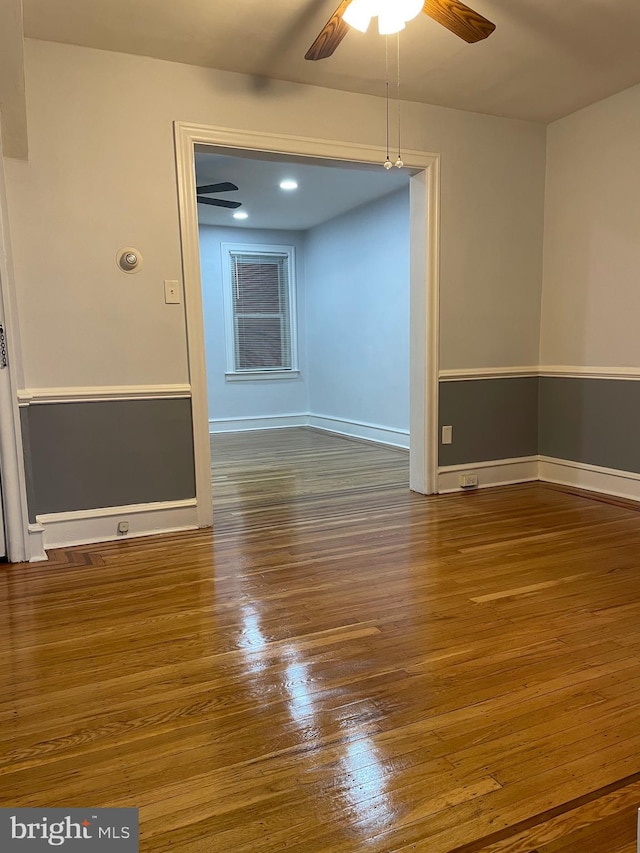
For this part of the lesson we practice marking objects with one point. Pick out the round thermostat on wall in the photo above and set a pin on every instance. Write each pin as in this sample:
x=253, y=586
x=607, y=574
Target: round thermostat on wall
x=129, y=259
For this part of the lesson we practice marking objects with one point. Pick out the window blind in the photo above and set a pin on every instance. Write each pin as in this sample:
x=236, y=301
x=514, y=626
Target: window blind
x=261, y=311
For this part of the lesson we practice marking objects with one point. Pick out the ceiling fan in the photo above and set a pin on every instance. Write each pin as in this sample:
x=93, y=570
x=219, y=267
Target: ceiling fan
x=452, y=14
x=212, y=189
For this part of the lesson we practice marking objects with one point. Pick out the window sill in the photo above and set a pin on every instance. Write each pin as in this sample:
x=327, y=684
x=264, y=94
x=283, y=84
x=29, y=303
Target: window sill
x=261, y=375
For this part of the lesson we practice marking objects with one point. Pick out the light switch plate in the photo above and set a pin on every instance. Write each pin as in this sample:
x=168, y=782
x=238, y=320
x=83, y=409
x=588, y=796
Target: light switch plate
x=172, y=292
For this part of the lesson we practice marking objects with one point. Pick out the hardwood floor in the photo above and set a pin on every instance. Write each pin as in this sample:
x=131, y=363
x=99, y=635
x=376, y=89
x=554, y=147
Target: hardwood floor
x=341, y=666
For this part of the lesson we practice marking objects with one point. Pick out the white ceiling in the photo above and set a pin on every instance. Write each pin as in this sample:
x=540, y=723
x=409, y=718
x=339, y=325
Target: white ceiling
x=324, y=191
x=546, y=59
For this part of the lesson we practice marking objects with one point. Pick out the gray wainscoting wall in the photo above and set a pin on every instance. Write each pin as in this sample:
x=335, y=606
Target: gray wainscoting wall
x=595, y=421
x=87, y=455
x=491, y=419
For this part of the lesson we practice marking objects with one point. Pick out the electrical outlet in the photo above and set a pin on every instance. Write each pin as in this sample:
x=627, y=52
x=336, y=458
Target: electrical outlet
x=468, y=481
x=123, y=528
x=447, y=435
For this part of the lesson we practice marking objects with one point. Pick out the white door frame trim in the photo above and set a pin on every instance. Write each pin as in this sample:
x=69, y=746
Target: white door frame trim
x=20, y=543
x=425, y=207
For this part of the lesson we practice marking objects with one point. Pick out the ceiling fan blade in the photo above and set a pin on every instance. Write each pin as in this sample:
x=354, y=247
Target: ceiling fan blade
x=460, y=19
x=218, y=202
x=224, y=187
x=332, y=34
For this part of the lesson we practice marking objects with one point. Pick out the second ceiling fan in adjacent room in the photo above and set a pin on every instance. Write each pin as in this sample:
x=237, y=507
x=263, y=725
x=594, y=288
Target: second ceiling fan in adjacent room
x=203, y=192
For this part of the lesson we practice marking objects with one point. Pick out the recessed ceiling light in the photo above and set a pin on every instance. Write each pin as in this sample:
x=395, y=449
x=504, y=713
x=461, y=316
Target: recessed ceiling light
x=288, y=185
x=240, y=215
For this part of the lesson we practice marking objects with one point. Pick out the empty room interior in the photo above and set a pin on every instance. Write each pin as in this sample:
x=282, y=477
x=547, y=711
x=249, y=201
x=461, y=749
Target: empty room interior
x=319, y=418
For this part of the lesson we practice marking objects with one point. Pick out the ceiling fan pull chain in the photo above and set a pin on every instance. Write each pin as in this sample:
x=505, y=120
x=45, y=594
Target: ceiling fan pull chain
x=399, y=164
x=387, y=163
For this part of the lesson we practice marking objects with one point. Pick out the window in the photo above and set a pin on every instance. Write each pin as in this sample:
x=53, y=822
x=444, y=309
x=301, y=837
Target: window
x=260, y=311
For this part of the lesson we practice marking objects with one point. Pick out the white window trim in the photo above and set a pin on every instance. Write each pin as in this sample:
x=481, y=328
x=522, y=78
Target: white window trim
x=227, y=249
x=252, y=375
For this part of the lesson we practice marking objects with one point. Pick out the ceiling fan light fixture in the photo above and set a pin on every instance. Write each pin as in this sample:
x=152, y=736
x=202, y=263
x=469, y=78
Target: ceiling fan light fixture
x=459, y=19
x=358, y=14
x=390, y=20
x=394, y=14
x=409, y=9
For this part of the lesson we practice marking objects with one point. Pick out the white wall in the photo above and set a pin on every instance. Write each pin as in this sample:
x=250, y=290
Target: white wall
x=101, y=176
x=13, y=106
x=357, y=274
x=353, y=322
x=263, y=398
x=591, y=297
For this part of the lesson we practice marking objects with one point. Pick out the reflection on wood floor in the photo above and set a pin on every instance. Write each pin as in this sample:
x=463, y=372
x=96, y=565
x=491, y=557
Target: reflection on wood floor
x=341, y=666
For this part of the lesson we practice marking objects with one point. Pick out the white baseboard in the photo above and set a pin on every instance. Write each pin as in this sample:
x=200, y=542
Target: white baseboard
x=60, y=529
x=339, y=426
x=218, y=425
x=563, y=472
x=36, y=544
x=592, y=478
x=359, y=429
x=498, y=472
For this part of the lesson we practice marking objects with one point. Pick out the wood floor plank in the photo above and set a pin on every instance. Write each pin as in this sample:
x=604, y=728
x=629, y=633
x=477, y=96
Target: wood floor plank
x=340, y=666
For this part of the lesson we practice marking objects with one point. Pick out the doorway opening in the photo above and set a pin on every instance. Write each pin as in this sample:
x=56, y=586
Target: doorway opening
x=305, y=293
x=244, y=261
